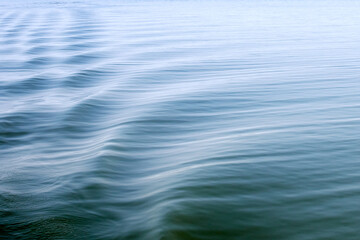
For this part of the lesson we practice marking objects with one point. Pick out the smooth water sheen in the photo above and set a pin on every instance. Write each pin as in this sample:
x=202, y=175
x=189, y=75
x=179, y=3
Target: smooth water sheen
x=174, y=120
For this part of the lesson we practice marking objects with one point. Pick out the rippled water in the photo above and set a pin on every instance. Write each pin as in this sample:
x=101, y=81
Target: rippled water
x=179, y=120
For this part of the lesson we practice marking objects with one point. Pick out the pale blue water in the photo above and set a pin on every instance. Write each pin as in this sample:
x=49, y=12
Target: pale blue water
x=179, y=120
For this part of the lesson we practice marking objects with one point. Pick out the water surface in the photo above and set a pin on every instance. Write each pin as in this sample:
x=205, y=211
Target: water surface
x=177, y=120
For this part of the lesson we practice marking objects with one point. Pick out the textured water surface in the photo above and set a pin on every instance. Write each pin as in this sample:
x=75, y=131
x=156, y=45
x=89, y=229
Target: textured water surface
x=174, y=120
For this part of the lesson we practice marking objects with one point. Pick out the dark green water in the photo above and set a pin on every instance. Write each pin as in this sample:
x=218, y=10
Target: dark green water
x=180, y=120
